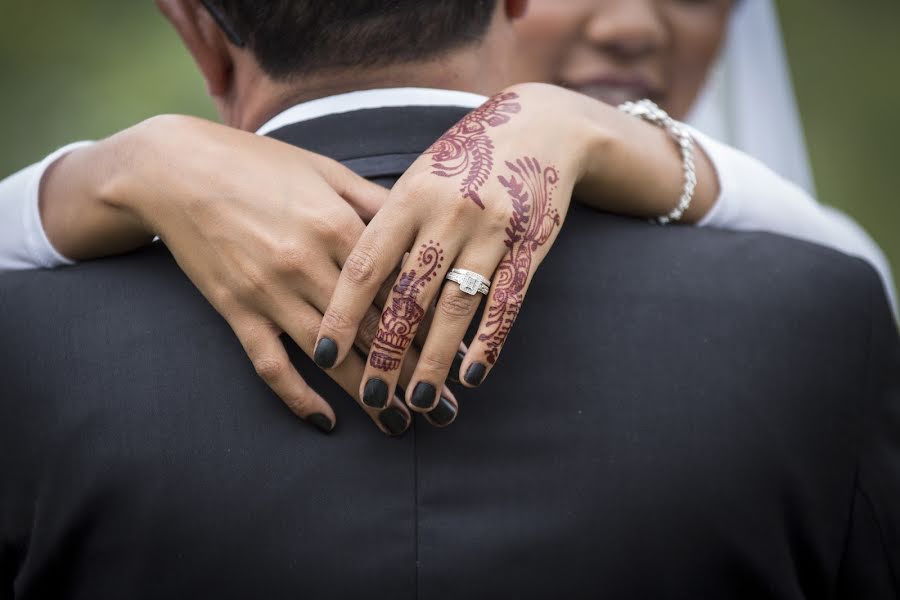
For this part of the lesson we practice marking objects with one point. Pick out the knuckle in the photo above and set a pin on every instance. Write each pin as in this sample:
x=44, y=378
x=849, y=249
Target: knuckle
x=222, y=298
x=496, y=218
x=270, y=368
x=361, y=266
x=415, y=186
x=253, y=282
x=456, y=304
x=291, y=257
x=329, y=226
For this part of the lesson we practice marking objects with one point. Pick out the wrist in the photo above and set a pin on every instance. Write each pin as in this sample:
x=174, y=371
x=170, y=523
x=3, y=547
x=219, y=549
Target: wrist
x=637, y=169
x=127, y=169
x=75, y=216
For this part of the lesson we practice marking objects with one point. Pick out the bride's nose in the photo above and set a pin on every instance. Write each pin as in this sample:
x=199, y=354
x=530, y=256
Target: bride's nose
x=627, y=29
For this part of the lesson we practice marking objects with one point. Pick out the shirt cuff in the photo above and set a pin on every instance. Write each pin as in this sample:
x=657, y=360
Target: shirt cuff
x=37, y=244
x=723, y=208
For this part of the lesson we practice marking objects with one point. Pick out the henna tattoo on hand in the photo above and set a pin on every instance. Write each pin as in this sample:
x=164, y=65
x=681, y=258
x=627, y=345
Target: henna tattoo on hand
x=531, y=224
x=401, y=319
x=467, y=147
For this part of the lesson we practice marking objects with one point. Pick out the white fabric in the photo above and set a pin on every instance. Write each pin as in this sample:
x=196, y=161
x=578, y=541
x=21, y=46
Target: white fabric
x=753, y=197
x=363, y=99
x=23, y=243
x=749, y=101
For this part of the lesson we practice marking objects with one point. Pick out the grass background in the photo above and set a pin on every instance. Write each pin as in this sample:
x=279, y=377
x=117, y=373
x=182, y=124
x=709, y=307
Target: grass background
x=82, y=70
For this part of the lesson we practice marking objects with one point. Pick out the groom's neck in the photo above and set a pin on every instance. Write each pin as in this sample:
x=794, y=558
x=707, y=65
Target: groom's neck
x=259, y=99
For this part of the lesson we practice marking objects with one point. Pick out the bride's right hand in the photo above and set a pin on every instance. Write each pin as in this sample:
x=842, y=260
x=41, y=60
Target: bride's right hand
x=261, y=228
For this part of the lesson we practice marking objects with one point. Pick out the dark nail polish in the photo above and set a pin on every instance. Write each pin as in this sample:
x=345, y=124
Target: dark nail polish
x=423, y=395
x=443, y=413
x=322, y=422
x=393, y=420
x=475, y=374
x=326, y=353
x=453, y=377
x=375, y=393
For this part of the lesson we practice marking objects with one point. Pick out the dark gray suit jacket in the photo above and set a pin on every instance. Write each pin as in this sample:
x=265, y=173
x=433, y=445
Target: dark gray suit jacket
x=679, y=413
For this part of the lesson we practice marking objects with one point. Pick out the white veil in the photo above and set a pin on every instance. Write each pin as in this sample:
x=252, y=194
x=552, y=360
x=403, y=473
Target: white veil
x=749, y=101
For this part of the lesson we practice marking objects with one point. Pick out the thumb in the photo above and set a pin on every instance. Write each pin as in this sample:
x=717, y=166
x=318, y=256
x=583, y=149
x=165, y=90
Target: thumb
x=365, y=197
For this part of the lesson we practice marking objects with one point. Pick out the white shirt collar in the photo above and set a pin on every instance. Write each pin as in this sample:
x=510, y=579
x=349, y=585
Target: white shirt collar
x=380, y=98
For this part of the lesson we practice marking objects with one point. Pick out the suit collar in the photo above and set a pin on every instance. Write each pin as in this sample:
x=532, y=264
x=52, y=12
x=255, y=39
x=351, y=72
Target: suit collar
x=375, y=142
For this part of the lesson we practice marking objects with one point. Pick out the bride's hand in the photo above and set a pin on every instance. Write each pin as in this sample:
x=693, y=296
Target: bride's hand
x=489, y=197
x=260, y=227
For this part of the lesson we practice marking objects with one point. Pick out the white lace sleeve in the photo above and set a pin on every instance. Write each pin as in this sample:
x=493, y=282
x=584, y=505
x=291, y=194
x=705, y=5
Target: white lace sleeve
x=755, y=198
x=23, y=242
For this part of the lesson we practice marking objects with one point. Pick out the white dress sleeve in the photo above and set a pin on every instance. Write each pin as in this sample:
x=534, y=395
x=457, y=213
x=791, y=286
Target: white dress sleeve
x=755, y=198
x=23, y=242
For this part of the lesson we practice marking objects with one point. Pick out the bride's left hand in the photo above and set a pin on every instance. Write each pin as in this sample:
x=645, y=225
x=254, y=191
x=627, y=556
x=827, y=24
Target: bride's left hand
x=490, y=197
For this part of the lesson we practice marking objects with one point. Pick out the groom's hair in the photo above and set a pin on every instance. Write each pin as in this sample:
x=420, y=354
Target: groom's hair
x=291, y=38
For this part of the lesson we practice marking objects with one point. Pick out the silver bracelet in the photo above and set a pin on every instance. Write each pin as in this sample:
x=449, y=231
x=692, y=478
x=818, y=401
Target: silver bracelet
x=650, y=112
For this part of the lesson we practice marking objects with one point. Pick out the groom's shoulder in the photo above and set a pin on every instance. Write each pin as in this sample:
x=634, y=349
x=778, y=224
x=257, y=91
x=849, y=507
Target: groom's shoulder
x=755, y=272
x=103, y=289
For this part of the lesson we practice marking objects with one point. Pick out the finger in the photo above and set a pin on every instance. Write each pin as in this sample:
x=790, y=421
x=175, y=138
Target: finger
x=366, y=336
x=261, y=342
x=368, y=326
x=319, y=296
x=508, y=289
x=533, y=226
x=375, y=256
x=455, y=374
x=445, y=412
x=417, y=285
x=364, y=196
x=453, y=314
x=301, y=324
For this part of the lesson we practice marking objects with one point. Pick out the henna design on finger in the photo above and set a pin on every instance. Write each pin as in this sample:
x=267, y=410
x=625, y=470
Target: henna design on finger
x=467, y=147
x=401, y=319
x=531, y=224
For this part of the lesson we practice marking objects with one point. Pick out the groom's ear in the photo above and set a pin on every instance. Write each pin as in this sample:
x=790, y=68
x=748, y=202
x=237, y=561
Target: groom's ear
x=205, y=41
x=516, y=9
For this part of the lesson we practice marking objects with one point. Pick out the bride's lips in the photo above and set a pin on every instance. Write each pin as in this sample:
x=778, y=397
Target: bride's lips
x=616, y=90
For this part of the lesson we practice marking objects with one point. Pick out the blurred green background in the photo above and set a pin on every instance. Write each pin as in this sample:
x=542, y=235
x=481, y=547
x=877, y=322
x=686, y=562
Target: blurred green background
x=82, y=70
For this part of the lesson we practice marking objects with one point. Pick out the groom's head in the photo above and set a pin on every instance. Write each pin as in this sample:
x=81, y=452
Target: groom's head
x=258, y=56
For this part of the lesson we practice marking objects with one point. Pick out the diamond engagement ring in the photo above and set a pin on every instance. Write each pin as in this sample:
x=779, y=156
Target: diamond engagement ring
x=470, y=282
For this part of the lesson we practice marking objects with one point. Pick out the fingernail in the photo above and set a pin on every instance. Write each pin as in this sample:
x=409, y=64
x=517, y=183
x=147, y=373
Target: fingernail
x=423, y=395
x=326, y=353
x=375, y=393
x=453, y=377
x=443, y=413
x=393, y=420
x=322, y=422
x=475, y=374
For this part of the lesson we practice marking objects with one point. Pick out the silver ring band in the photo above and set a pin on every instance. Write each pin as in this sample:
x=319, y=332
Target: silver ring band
x=470, y=282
